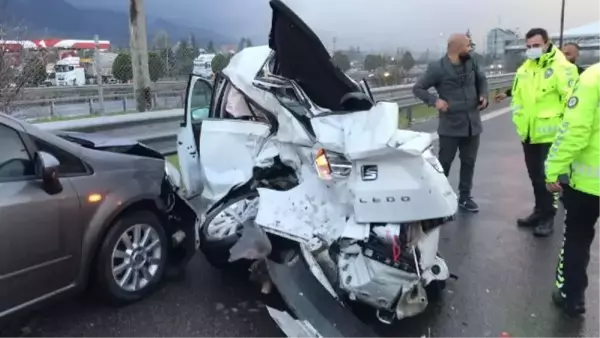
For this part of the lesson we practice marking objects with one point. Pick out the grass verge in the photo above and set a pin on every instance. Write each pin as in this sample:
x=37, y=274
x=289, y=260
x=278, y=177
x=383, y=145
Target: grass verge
x=174, y=160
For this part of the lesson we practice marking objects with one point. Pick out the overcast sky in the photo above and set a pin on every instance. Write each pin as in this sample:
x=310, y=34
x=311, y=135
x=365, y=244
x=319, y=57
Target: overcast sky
x=377, y=24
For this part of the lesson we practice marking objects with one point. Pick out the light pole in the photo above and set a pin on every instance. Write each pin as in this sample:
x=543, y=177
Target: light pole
x=562, y=24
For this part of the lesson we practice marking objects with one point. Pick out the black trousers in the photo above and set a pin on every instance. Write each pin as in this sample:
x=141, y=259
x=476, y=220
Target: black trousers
x=546, y=202
x=467, y=147
x=581, y=215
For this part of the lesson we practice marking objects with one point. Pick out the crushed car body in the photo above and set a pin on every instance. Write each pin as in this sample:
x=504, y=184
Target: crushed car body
x=313, y=187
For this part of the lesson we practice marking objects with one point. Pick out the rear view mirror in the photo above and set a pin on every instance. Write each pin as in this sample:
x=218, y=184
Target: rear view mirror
x=46, y=167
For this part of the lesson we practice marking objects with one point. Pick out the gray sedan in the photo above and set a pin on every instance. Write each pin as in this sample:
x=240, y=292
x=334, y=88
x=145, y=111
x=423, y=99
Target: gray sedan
x=82, y=209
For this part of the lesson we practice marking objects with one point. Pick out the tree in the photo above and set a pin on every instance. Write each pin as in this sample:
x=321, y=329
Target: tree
x=241, y=44
x=219, y=62
x=161, y=40
x=374, y=61
x=121, y=67
x=471, y=43
x=407, y=62
x=341, y=60
x=168, y=60
x=34, y=71
x=184, y=57
x=156, y=66
x=248, y=42
x=210, y=48
x=193, y=41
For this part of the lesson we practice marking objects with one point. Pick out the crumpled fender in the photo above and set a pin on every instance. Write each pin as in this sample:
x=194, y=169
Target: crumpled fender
x=311, y=209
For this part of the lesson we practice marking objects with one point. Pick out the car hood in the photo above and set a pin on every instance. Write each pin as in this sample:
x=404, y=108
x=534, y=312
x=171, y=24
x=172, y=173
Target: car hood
x=301, y=56
x=109, y=143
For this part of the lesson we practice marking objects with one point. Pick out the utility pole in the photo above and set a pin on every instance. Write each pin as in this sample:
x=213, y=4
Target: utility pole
x=97, y=66
x=138, y=45
x=562, y=24
x=167, y=52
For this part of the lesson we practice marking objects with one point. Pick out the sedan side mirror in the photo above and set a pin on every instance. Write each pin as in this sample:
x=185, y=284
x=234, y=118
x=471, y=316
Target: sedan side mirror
x=46, y=167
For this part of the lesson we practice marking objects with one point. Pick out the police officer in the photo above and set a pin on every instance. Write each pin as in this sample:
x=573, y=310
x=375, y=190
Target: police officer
x=539, y=91
x=576, y=151
x=571, y=51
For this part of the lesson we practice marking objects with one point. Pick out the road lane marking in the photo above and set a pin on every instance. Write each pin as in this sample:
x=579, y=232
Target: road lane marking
x=484, y=118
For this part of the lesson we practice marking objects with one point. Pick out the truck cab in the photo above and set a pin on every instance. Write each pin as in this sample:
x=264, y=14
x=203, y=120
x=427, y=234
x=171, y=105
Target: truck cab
x=69, y=72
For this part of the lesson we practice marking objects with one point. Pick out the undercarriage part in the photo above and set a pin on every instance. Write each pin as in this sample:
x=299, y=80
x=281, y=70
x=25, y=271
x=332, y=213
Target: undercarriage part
x=370, y=281
x=412, y=301
x=310, y=302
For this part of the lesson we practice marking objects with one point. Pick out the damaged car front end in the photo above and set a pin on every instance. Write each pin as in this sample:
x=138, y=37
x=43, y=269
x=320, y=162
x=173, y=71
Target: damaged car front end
x=180, y=220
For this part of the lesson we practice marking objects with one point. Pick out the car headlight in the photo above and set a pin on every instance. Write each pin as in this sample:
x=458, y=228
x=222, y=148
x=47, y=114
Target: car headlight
x=173, y=174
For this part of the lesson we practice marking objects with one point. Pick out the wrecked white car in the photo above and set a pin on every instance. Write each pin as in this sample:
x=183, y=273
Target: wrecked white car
x=311, y=184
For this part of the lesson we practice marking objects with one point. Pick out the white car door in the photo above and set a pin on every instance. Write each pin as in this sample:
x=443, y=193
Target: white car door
x=229, y=150
x=198, y=101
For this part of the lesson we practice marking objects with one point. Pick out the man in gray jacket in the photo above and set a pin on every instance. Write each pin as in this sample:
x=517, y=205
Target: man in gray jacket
x=461, y=94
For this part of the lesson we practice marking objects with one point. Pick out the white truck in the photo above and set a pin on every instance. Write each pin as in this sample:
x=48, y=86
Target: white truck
x=203, y=65
x=103, y=67
x=69, y=72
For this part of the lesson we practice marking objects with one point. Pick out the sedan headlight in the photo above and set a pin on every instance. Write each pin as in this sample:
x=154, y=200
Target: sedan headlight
x=173, y=174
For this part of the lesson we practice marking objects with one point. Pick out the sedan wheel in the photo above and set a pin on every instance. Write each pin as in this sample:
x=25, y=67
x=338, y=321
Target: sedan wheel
x=136, y=257
x=132, y=259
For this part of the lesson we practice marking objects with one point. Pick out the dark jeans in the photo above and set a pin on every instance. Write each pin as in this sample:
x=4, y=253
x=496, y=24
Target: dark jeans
x=581, y=215
x=535, y=156
x=467, y=147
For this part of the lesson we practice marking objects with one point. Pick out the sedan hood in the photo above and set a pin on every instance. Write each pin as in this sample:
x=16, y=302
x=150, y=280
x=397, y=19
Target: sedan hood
x=109, y=143
x=301, y=56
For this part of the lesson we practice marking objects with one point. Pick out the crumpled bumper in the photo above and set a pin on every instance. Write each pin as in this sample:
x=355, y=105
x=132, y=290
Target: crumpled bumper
x=314, y=312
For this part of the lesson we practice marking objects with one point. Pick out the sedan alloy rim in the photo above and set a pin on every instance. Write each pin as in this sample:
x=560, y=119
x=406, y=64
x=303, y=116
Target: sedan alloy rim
x=136, y=257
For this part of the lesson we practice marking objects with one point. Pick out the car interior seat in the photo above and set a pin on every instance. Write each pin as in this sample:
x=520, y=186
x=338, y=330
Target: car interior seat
x=356, y=101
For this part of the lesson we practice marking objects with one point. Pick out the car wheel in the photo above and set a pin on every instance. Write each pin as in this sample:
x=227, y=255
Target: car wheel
x=435, y=290
x=223, y=225
x=132, y=258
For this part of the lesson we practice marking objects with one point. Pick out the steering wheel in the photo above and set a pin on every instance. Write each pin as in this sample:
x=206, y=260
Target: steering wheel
x=14, y=167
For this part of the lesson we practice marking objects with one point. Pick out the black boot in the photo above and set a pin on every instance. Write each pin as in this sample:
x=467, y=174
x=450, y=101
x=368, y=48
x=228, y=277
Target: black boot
x=545, y=227
x=572, y=308
x=530, y=221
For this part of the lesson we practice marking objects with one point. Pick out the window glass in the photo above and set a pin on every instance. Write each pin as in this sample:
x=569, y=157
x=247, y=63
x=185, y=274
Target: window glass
x=69, y=164
x=15, y=162
x=200, y=100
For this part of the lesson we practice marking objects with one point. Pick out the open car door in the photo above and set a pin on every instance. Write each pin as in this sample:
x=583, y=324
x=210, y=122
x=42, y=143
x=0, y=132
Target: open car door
x=197, y=108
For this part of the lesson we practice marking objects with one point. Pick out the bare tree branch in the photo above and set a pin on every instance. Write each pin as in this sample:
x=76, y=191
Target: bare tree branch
x=19, y=67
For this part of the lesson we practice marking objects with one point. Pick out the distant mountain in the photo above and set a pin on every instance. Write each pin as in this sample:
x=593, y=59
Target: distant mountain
x=61, y=19
x=231, y=18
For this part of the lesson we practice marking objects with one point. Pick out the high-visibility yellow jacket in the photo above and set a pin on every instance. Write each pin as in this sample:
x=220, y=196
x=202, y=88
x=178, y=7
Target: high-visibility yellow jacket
x=576, y=148
x=539, y=94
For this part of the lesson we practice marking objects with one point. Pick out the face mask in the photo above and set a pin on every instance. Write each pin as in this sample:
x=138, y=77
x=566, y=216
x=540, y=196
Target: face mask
x=534, y=53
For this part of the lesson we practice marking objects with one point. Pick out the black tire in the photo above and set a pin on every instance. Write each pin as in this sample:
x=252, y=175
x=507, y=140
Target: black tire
x=435, y=290
x=216, y=251
x=105, y=285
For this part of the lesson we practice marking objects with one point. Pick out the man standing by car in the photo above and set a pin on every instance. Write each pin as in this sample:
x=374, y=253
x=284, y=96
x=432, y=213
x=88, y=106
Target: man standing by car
x=576, y=151
x=540, y=89
x=571, y=51
x=462, y=93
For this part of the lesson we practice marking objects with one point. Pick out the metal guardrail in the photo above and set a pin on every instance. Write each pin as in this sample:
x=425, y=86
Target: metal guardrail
x=91, y=90
x=159, y=129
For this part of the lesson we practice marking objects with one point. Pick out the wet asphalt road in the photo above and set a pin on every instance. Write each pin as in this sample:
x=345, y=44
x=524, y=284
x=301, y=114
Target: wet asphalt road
x=505, y=277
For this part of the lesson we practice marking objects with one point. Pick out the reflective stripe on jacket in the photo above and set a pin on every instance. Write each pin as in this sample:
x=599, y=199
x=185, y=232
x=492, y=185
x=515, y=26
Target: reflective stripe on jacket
x=576, y=148
x=539, y=94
